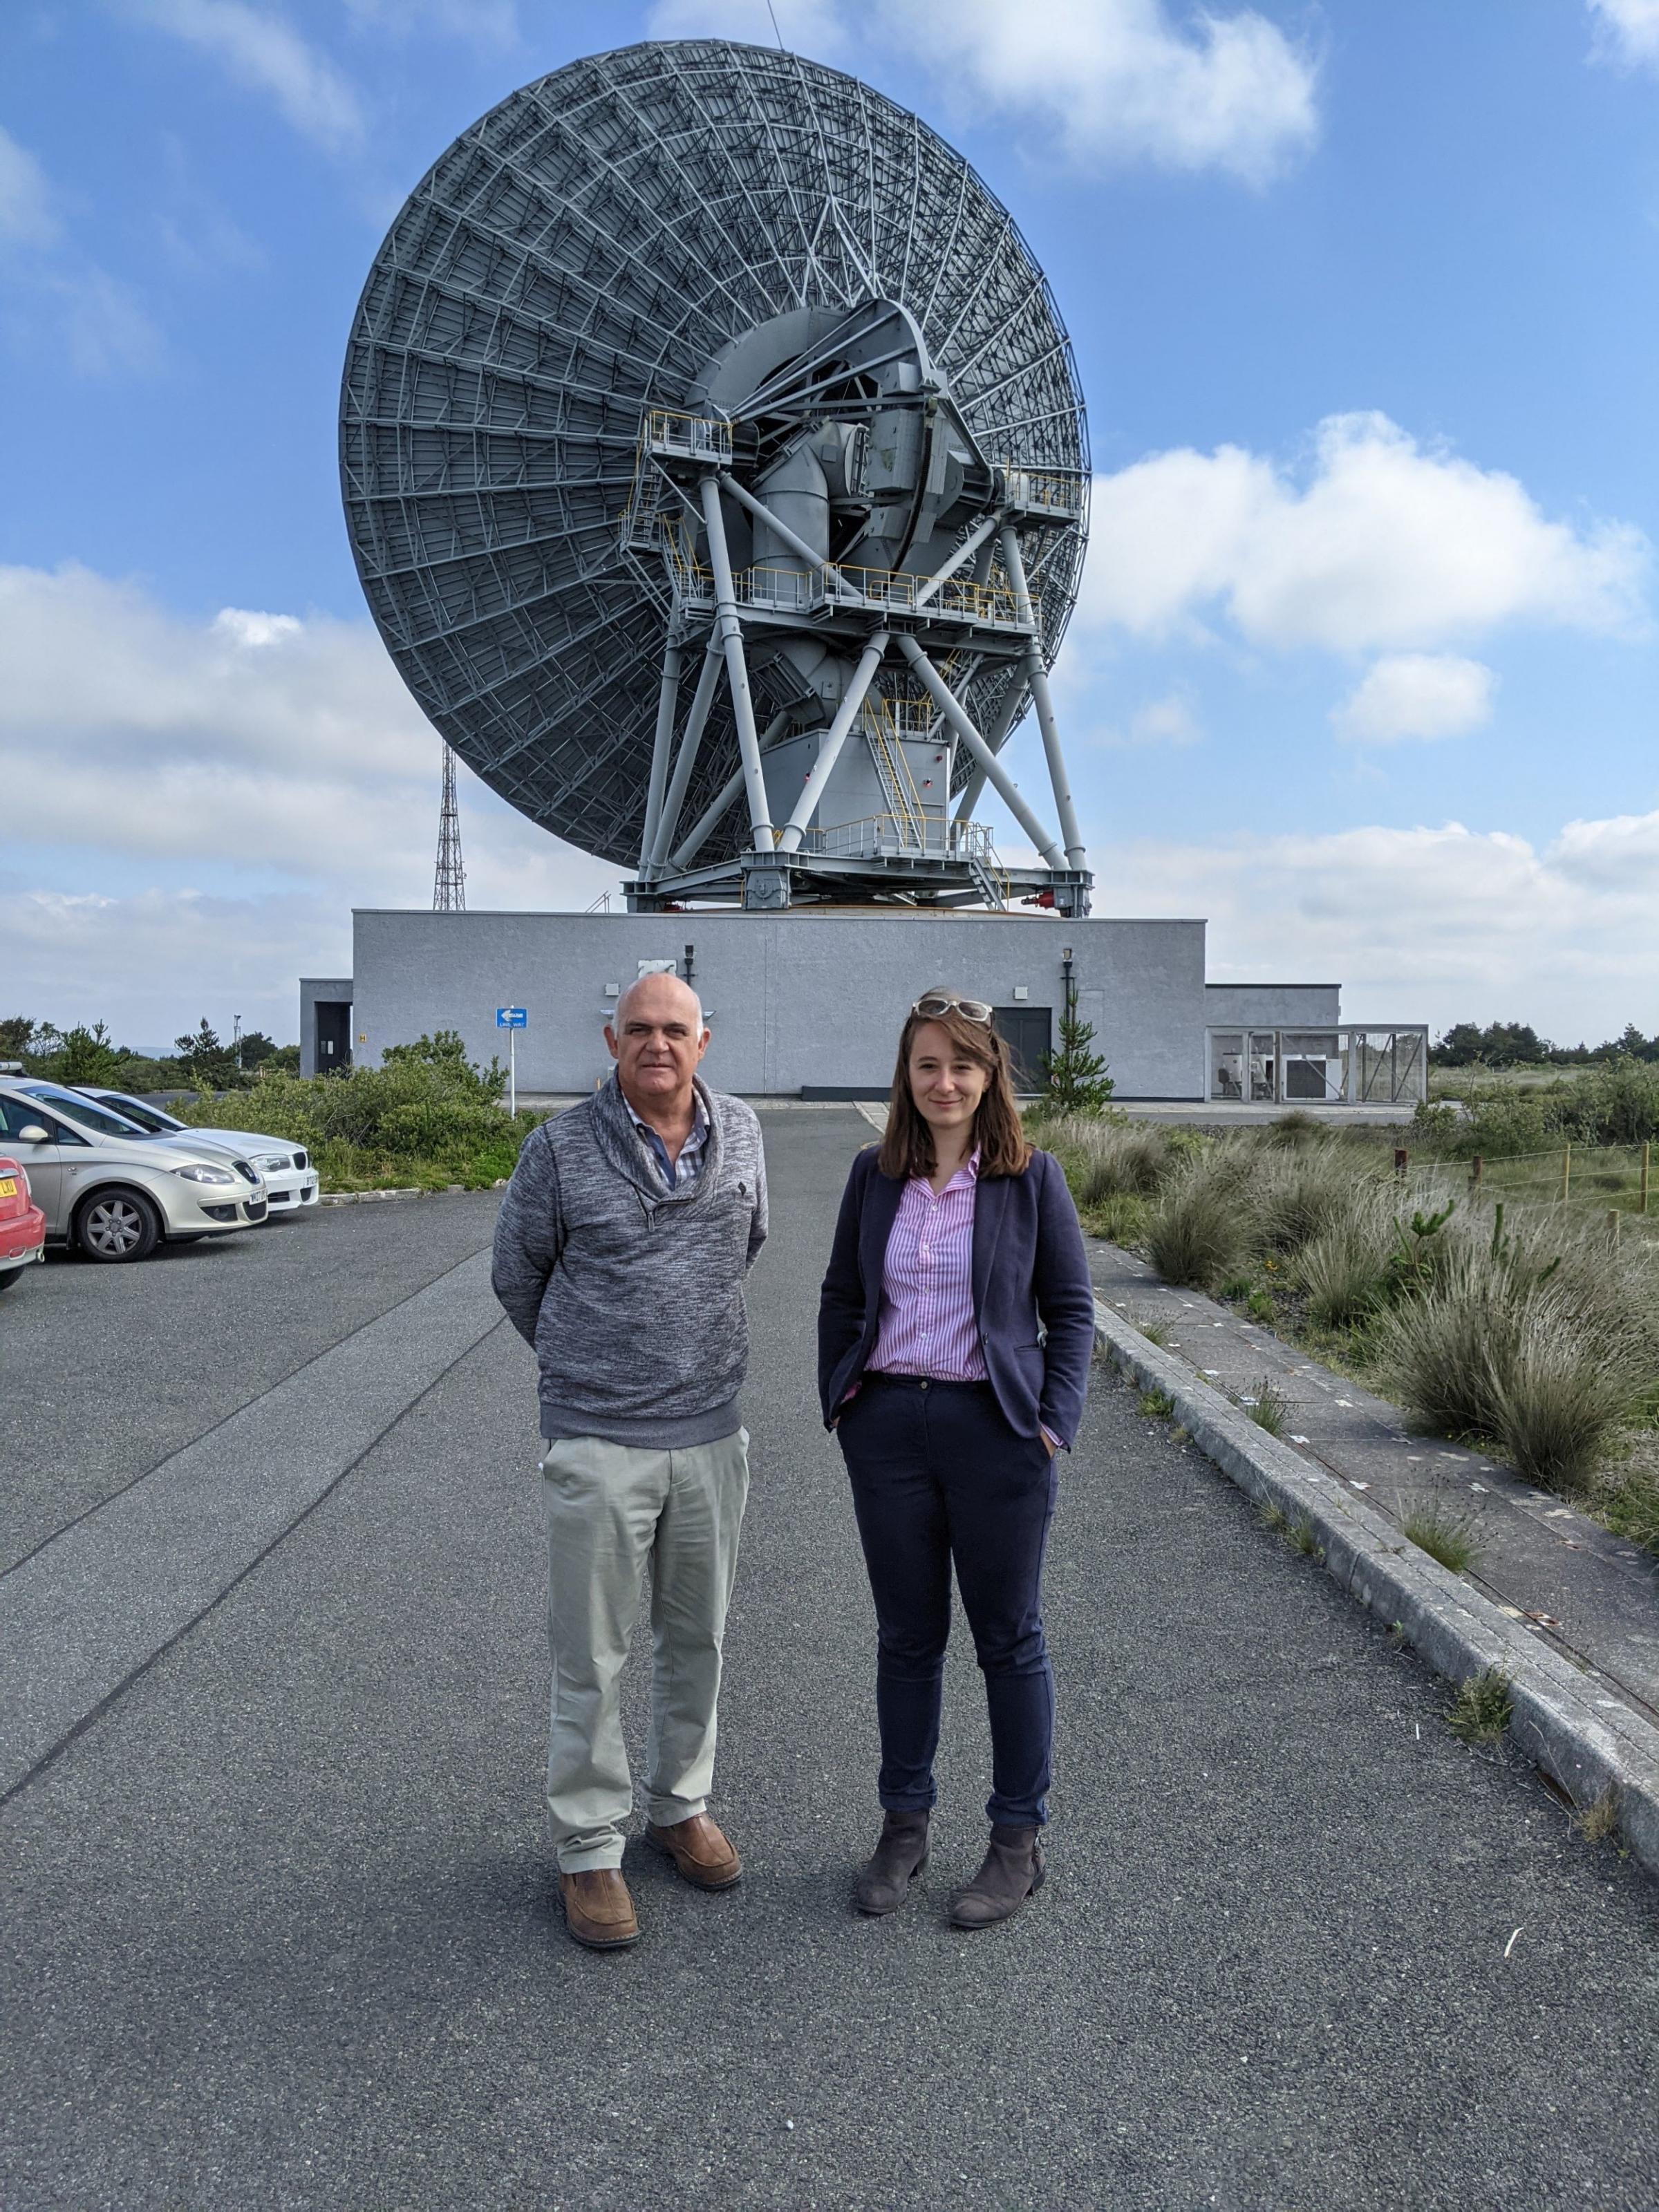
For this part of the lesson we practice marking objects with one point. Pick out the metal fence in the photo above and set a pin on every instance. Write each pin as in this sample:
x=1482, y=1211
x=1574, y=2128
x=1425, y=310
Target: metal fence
x=1614, y=1177
x=1347, y=1064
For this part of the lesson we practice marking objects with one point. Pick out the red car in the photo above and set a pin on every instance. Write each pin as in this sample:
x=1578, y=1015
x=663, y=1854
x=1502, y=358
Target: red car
x=22, y=1225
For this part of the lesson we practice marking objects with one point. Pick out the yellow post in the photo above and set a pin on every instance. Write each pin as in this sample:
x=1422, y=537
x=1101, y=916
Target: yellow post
x=1614, y=1218
x=1646, y=1150
x=1567, y=1170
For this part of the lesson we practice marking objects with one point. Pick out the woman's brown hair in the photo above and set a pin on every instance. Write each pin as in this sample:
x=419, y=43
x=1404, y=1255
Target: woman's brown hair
x=907, y=1149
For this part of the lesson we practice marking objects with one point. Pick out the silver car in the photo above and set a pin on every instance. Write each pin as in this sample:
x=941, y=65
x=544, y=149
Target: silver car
x=290, y=1180
x=112, y=1190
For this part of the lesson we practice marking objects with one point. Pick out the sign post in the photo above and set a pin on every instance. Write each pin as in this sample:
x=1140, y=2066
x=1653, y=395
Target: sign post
x=511, y=1019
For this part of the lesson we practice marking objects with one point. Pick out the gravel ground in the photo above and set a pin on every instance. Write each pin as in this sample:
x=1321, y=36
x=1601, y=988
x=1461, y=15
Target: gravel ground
x=281, y=1928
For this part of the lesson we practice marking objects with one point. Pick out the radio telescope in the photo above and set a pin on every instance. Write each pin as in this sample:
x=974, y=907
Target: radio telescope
x=716, y=470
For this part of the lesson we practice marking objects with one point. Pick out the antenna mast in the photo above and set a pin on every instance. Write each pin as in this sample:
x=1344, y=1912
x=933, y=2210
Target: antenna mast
x=449, y=885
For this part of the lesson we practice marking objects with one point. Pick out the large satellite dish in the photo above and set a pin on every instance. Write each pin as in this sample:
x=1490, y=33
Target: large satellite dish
x=702, y=359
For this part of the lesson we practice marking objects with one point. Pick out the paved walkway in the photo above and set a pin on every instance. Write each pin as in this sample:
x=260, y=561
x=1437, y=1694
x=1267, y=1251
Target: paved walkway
x=280, y=1930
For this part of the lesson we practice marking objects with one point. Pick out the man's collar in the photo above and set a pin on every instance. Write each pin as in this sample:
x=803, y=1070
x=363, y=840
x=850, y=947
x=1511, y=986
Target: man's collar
x=699, y=1114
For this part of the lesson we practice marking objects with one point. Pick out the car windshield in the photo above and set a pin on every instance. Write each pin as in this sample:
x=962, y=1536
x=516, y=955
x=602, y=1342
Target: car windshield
x=74, y=1108
x=135, y=1109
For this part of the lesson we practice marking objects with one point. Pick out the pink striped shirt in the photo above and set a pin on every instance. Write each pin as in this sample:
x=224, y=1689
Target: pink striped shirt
x=926, y=1325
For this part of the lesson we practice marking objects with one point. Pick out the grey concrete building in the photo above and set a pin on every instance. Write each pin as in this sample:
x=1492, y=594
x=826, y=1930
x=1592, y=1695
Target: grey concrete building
x=803, y=1003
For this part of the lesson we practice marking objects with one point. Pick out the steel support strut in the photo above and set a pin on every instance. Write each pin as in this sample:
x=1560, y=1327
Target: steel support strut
x=1001, y=781
x=703, y=828
x=1038, y=677
x=834, y=739
x=667, y=699
x=696, y=722
x=1007, y=713
x=729, y=632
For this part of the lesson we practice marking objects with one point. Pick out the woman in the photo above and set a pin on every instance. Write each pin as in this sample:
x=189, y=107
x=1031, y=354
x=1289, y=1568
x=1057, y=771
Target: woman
x=955, y=1332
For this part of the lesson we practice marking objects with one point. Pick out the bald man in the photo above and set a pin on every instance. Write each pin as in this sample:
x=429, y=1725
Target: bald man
x=621, y=1250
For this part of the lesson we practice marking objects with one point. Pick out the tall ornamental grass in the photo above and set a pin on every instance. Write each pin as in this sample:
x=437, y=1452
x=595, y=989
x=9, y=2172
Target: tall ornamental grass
x=1527, y=1332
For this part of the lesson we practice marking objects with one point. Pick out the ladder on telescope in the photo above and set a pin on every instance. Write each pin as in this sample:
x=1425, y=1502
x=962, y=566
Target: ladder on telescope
x=898, y=785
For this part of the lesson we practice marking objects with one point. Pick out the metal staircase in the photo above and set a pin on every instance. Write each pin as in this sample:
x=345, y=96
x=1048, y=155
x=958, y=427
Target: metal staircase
x=899, y=786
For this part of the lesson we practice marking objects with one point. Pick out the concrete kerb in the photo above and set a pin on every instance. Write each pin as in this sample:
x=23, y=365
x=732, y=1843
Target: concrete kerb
x=1589, y=1743
x=403, y=1190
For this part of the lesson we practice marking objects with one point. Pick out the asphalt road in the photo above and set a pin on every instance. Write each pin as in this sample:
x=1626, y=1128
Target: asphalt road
x=280, y=1929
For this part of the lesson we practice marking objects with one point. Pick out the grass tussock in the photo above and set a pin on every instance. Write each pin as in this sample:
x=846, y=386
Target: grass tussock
x=1157, y=1405
x=1598, y=1819
x=1483, y=1709
x=1268, y=1407
x=1443, y=1532
x=1528, y=1334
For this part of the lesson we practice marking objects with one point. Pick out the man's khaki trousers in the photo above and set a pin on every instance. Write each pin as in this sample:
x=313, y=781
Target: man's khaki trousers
x=610, y=1509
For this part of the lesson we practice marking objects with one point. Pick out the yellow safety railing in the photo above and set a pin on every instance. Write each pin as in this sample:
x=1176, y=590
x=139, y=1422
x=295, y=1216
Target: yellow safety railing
x=691, y=437
x=897, y=589
x=1043, y=491
x=802, y=591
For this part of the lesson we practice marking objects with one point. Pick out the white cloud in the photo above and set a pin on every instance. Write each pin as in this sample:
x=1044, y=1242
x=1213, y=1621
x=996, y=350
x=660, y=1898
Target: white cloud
x=105, y=325
x=1416, y=694
x=1113, y=81
x=1435, y=925
x=1379, y=543
x=1167, y=722
x=1626, y=31
x=263, y=54
x=28, y=217
x=1092, y=82
x=485, y=22
x=825, y=29
x=59, y=305
x=145, y=746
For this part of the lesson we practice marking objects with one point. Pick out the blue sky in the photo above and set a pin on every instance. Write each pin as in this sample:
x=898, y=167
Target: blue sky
x=1365, y=304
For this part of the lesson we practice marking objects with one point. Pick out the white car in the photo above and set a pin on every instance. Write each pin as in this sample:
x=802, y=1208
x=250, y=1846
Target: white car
x=290, y=1179
x=113, y=1191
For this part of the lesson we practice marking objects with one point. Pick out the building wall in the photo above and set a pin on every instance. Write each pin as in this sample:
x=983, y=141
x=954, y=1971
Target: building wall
x=797, y=999
x=1272, y=1005
x=326, y=990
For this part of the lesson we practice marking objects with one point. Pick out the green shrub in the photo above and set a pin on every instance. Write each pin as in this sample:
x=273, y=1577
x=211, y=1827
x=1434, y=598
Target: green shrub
x=1615, y=1105
x=425, y=1116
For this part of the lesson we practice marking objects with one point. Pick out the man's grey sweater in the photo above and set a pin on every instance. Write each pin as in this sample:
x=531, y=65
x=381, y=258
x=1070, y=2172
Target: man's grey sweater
x=631, y=1294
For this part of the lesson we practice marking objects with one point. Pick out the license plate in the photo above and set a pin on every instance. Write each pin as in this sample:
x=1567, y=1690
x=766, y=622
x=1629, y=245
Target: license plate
x=8, y=1186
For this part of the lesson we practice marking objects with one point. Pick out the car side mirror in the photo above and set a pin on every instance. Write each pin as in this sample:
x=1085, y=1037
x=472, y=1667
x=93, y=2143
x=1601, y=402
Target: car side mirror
x=32, y=1133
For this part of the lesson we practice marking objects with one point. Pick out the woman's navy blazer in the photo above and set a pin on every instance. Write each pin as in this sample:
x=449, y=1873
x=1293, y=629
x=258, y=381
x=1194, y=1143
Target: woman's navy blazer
x=1033, y=1299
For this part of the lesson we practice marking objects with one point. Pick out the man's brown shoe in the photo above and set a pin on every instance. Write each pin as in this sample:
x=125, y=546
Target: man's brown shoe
x=598, y=1910
x=700, y=1851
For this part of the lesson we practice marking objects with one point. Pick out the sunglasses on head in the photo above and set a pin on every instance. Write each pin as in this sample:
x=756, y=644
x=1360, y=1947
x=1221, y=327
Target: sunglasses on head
x=945, y=1002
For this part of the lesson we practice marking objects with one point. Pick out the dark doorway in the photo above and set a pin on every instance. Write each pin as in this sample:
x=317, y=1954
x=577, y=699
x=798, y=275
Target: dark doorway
x=1029, y=1032
x=333, y=1036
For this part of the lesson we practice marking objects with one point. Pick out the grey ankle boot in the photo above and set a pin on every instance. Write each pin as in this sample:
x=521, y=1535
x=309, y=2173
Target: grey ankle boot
x=1013, y=1870
x=899, y=1856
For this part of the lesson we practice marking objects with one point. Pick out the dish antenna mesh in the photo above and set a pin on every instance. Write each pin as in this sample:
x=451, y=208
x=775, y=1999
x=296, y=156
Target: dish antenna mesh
x=610, y=247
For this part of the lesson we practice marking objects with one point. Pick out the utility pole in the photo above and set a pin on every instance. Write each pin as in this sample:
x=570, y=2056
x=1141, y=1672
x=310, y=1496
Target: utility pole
x=449, y=885
x=236, y=1037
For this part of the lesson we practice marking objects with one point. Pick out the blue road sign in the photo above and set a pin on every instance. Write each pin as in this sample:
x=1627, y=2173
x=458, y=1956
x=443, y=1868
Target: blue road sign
x=511, y=1018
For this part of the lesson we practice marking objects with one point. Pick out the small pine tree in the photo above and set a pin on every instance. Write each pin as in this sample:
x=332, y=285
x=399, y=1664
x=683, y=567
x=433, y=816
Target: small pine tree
x=208, y=1064
x=1078, y=1081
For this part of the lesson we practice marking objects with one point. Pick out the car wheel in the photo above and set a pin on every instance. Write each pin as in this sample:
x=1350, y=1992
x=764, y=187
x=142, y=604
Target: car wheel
x=9, y=1279
x=116, y=1225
